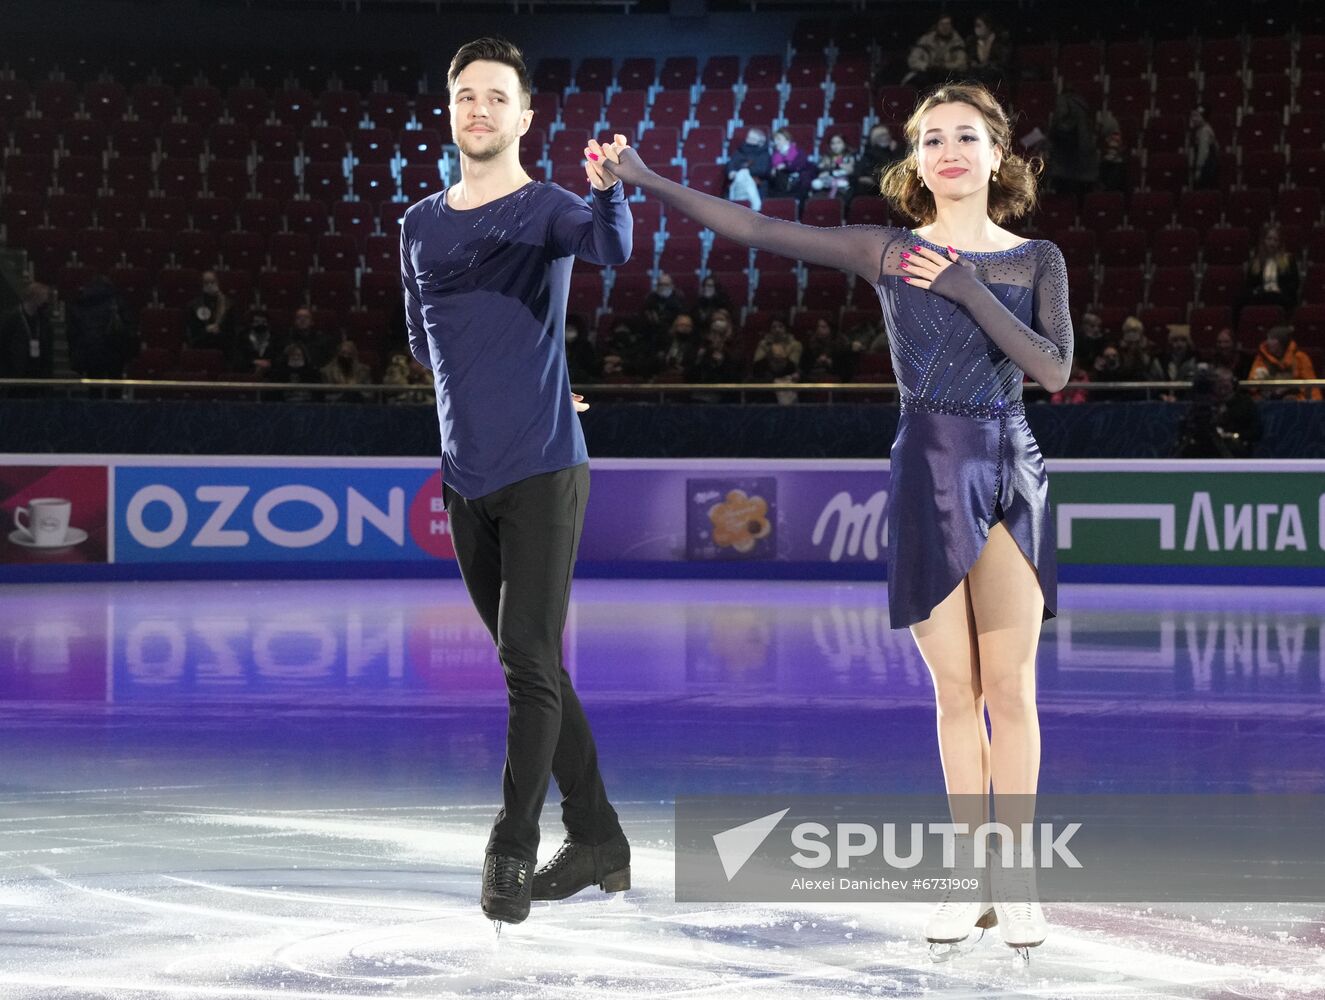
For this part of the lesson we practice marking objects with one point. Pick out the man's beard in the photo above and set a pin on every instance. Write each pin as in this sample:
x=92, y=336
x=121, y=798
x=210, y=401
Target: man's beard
x=500, y=142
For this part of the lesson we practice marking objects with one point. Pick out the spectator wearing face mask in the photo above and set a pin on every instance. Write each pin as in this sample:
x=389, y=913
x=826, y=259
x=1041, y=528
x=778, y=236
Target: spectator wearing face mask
x=27, y=342
x=712, y=297
x=679, y=353
x=1106, y=369
x=257, y=349
x=880, y=151
x=661, y=306
x=208, y=323
x=792, y=173
x=403, y=370
x=581, y=358
x=295, y=369
x=748, y=169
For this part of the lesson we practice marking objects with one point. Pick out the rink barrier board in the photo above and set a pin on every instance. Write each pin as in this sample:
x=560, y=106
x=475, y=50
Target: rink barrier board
x=144, y=517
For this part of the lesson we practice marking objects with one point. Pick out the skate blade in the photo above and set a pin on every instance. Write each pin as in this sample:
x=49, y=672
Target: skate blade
x=946, y=951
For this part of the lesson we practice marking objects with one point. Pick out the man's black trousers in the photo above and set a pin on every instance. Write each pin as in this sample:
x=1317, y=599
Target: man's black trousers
x=516, y=548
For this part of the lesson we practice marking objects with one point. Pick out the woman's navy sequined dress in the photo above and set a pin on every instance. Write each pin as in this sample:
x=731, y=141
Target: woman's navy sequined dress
x=964, y=457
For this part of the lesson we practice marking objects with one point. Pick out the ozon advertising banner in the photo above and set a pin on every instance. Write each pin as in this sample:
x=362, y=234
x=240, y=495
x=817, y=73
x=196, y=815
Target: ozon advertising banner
x=90, y=517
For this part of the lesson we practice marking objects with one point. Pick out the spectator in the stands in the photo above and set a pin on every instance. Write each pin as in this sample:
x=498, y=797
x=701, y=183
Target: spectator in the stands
x=827, y=356
x=1074, y=159
x=988, y=53
x=628, y=353
x=1221, y=421
x=678, y=353
x=778, y=333
x=346, y=369
x=837, y=165
x=792, y=172
x=880, y=151
x=712, y=297
x=295, y=369
x=27, y=342
x=661, y=306
x=257, y=349
x=749, y=168
x=99, y=341
x=1203, y=151
x=1138, y=360
x=1108, y=368
x=1179, y=364
x=1228, y=354
x=776, y=366
x=304, y=333
x=1271, y=275
x=208, y=315
x=581, y=358
x=403, y=370
x=716, y=360
x=1090, y=340
x=935, y=54
x=1113, y=154
x=1279, y=357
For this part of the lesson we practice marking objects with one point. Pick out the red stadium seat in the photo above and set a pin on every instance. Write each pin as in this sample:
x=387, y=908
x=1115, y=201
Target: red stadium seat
x=195, y=249
x=1172, y=286
x=1121, y=286
x=381, y=253
x=1206, y=322
x=294, y=107
x=381, y=289
x=822, y=212
x=166, y=213
x=807, y=69
x=586, y=293
x=337, y=252
x=679, y=72
x=760, y=107
x=1249, y=207
x=200, y=103
x=1175, y=245
x=721, y=72
x=594, y=73
x=629, y=292
x=325, y=181
x=868, y=212
x=1300, y=206
x=780, y=208
x=212, y=214
x=1255, y=321
x=638, y=73
x=552, y=73
x=824, y=289
x=374, y=182
x=1227, y=245
x=775, y=290
x=1221, y=285
x=248, y=106
x=179, y=177
x=373, y=145
x=581, y=112
x=418, y=182
x=332, y=290
x=229, y=179
x=291, y=251
x=715, y=108
x=56, y=100
x=671, y=109
x=341, y=108
x=354, y=218
x=177, y=286
x=1150, y=210
x=625, y=112
x=229, y=141
x=323, y=144
x=804, y=106
x=84, y=137
x=389, y=110
x=147, y=248
x=80, y=175
x=763, y=71
x=1174, y=57
x=306, y=215
x=243, y=251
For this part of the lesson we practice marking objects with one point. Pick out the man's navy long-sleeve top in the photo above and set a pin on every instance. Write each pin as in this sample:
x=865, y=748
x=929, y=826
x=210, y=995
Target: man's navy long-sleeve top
x=485, y=305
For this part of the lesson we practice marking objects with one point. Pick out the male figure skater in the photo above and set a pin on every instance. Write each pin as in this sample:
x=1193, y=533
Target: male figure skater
x=486, y=266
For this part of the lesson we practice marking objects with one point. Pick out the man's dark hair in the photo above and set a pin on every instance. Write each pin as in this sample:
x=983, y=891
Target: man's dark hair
x=491, y=49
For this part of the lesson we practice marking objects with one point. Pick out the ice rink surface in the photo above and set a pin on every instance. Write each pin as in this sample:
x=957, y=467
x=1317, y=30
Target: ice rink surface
x=284, y=789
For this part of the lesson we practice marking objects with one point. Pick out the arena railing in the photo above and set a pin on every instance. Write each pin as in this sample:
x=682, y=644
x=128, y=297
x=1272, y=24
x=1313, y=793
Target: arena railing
x=882, y=393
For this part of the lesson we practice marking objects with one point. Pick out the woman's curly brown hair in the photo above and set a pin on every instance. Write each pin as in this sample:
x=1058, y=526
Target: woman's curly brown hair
x=1011, y=195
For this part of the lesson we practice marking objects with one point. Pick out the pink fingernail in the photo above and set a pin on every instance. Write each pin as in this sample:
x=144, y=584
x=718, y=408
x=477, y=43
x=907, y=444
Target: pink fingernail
x=905, y=264
x=905, y=254
x=593, y=156
x=906, y=279
x=951, y=250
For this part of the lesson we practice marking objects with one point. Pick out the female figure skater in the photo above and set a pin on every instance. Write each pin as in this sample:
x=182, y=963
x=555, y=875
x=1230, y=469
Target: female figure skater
x=971, y=543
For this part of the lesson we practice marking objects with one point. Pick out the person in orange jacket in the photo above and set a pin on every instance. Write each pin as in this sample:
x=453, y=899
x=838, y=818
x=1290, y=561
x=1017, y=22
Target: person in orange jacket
x=1279, y=357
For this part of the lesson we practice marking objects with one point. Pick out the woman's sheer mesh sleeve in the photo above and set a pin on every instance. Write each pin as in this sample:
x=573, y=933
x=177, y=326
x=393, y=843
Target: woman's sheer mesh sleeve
x=1044, y=349
x=856, y=249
